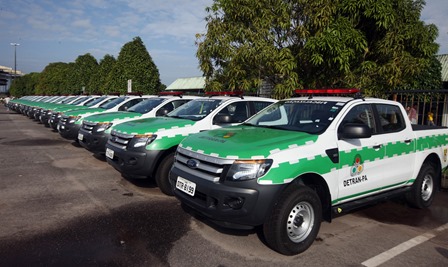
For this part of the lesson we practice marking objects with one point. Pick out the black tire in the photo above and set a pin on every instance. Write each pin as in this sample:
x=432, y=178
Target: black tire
x=294, y=222
x=424, y=188
x=162, y=174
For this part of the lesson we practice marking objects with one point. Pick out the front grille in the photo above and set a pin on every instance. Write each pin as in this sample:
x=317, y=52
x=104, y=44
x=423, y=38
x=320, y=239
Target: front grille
x=64, y=119
x=88, y=126
x=207, y=167
x=120, y=140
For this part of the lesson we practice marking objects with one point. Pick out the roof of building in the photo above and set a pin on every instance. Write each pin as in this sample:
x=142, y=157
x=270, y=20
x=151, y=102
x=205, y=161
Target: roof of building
x=444, y=62
x=10, y=70
x=190, y=83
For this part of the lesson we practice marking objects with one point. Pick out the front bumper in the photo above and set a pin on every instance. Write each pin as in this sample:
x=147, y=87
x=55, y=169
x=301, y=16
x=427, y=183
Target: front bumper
x=229, y=204
x=69, y=131
x=45, y=118
x=135, y=164
x=95, y=143
x=53, y=121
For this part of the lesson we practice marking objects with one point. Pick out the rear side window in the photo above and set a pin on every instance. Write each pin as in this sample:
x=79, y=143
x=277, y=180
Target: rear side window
x=391, y=118
x=238, y=111
x=259, y=105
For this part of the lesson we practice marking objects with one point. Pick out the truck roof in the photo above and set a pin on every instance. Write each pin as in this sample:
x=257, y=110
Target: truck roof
x=341, y=99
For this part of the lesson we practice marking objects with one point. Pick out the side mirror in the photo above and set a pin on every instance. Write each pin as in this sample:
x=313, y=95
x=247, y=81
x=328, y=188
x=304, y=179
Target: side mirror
x=222, y=118
x=354, y=131
x=162, y=112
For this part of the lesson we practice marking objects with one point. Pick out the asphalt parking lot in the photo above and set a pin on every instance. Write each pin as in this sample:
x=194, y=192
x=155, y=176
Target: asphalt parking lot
x=62, y=206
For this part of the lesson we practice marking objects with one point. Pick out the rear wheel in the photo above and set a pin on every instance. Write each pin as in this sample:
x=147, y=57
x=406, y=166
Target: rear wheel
x=162, y=174
x=294, y=222
x=424, y=188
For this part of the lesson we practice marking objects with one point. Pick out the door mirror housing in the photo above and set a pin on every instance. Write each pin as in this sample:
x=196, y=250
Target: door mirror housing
x=162, y=112
x=354, y=131
x=222, y=118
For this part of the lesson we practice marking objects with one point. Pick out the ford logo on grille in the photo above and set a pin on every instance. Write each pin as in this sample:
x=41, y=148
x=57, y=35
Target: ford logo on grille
x=192, y=163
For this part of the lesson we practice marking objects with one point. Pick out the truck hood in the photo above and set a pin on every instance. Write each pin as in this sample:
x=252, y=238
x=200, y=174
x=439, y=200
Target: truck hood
x=246, y=141
x=86, y=111
x=68, y=108
x=112, y=116
x=151, y=125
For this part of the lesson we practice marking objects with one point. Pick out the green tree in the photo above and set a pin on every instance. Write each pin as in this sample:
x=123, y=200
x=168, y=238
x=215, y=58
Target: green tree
x=97, y=83
x=85, y=66
x=24, y=85
x=71, y=83
x=376, y=45
x=54, y=79
x=134, y=63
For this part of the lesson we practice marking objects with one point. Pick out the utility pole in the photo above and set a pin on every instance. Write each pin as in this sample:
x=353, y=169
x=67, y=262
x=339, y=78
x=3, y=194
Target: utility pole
x=15, y=58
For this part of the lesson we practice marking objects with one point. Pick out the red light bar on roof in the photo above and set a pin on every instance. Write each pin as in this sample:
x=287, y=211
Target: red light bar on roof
x=238, y=93
x=170, y=93
x=135, y=93
x=328, y=91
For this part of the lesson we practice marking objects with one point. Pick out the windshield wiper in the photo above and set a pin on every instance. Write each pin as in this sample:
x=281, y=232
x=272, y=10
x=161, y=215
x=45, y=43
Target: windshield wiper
x=277, y=127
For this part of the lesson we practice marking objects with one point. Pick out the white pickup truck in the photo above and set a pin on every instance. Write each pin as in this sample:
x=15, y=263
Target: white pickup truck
x=307, y=159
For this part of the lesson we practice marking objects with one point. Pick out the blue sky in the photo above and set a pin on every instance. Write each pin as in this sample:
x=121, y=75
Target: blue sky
x=61, y=30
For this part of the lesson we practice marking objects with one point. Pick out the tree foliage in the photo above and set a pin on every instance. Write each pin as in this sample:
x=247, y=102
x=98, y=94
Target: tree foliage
x=376, y=45
x=98, y=78
x=24, y=85
x=110, y=75
x=85, y=66
x=54, y=79
x=134, y=63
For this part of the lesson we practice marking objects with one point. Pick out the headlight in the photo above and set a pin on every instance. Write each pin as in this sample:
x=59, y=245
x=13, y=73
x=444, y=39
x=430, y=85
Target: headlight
x=102, y=126
x=140, y=140
x=72, y=119
x=242, y=170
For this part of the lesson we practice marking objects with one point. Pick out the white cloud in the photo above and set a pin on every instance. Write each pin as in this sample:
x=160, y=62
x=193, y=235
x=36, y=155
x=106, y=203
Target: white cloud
x=112, y=31
x=435, y=12
x=82, y=23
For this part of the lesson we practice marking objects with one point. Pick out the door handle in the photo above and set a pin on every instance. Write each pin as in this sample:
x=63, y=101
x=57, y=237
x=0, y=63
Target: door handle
x=376, y=147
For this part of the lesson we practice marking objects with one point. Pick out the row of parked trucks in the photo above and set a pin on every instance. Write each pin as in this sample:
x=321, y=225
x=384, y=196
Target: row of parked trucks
x=243, y=162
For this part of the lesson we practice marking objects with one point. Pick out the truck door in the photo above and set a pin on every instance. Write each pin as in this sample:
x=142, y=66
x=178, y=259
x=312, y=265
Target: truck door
x=359, y=159
x=397, y=166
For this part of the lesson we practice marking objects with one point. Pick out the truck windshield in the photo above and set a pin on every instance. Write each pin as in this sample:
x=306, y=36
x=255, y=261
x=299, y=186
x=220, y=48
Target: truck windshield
x=146, y=105
x=68, y=99
x=311, y=116
x=96, y=101
x=80, y=100
x=113, y=103
x=196, y=109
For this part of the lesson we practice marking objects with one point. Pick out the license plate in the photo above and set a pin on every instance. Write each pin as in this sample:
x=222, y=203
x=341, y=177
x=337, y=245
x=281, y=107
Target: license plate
x=109, y=153
x=185, y=186
x=58, y=127
x=80, y=136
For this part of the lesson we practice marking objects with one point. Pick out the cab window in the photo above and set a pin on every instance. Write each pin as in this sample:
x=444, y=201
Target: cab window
x=362, y=114
x=391, y=118
x=259, y=105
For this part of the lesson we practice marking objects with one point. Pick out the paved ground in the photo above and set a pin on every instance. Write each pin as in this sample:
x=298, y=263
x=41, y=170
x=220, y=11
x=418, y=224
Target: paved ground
x=61, y=206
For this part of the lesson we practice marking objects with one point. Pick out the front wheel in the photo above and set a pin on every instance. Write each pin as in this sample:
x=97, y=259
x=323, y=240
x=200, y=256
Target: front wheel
x=162, y=174
x=424, y=188
x=294, y=222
